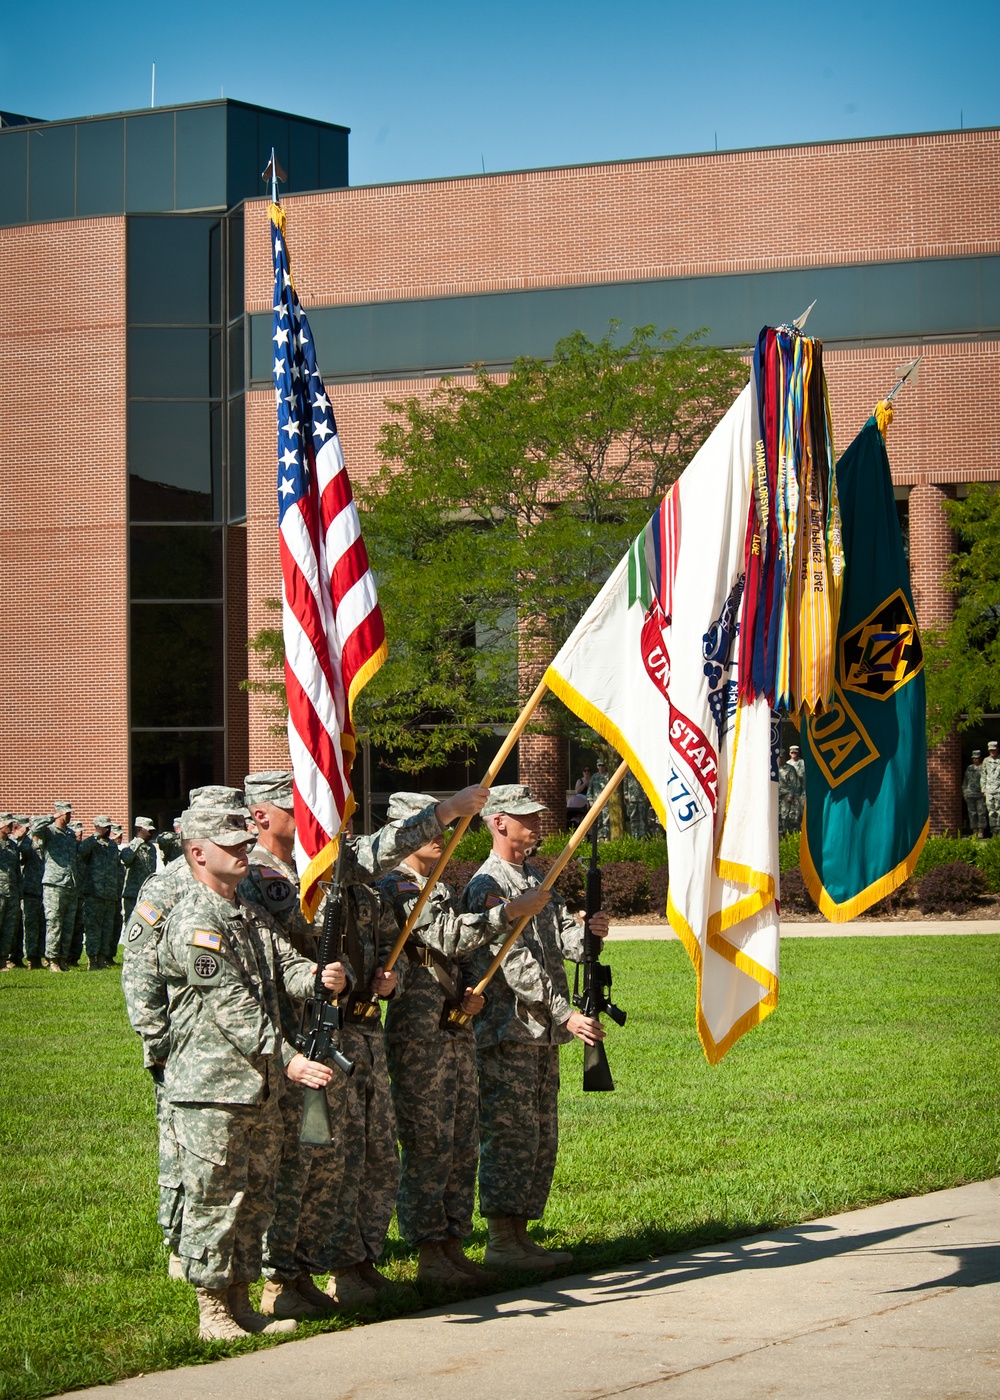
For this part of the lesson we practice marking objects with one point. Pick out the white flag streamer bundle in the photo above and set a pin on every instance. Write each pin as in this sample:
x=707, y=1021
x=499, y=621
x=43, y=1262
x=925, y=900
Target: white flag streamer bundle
x=653, y=667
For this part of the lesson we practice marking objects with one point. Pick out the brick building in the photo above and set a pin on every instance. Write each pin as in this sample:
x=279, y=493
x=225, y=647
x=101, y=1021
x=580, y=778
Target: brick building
x=138, y=458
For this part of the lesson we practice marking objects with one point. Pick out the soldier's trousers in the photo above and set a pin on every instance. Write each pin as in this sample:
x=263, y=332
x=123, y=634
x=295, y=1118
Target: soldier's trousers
x=518, y=1127
x=436, y=1099
x=34, y=926
x=99, y=925
x=59, y=903
x=170, y=1210
x=229, y=1157
x=976, y=804
x=291, y=1189
x=352, y=1190
x=993, y=810
x=77, y=939
x=10, y=914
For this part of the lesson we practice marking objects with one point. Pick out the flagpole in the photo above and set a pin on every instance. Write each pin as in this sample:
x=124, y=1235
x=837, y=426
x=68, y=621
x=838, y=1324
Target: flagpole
x=561, y=861
x=883, y=411
x=489, y=777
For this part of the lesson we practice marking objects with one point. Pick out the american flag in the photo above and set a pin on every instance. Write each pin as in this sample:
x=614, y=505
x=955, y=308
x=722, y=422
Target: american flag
x=332, y=623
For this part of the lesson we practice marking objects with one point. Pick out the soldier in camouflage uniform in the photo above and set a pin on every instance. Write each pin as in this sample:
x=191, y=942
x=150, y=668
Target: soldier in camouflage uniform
x=595, y=787
x=790, y=798
x=58, y=846
x=636, y=807
x=528, y=1015
x=169, y=843
x=146, y=1003
x=10, y=892
x=17, y=834
x=224, y=964
x=139, y=862
x=435, y=1090
x=100, y=863
x=116, y=929
x=333, y=1204
x=990, y=784
x=31, y=893
x=972, y=791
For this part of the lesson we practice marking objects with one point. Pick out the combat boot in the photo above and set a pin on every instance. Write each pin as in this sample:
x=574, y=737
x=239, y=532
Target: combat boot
x=253, y=1322
x=349, y=1289
x=473, y=1272
x=215, y=1321
x=35, y=964
x=175, y=1268
x=434, y=1266
x=282, y=1299
x=314, y=1296
x=505, y=1250
x=370, y=1275
x=55, y=966
x=93, y=964
x=556, y=1258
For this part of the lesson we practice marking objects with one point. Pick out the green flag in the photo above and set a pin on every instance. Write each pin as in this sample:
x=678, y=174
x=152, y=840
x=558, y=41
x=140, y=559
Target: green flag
x=866, y=756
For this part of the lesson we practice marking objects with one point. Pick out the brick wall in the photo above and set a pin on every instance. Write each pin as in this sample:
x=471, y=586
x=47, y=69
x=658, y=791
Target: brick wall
x=63, y=537
x=797, y=206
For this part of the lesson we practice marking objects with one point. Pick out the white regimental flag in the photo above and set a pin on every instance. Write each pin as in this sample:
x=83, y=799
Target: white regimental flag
x=653, y=667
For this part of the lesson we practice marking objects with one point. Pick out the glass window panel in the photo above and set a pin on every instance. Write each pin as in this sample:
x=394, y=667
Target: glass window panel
x=215, y=435
x=171, y=468
x=303, y=156
x=51, y=172
x=100, y=168
x=168, y=271
x=167, y=363
x=165, y=767
x=215, y=273
x=13, y=177
x=237, y=296
x=237, y=369
x=175, y=561
x=332, y=159
x=201, y=158
x=176, y=655
x=243, y=180
x=237, y=459
x=149, y=162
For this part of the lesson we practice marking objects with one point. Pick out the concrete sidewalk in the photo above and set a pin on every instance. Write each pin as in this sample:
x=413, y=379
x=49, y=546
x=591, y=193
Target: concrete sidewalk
x=862, y=928
x=898, y=1302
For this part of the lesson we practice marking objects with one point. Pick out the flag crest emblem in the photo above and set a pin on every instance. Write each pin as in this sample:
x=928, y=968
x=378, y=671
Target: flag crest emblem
x=882, y=653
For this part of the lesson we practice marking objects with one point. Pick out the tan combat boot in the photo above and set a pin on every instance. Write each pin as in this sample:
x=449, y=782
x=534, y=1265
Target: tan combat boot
x=175, y=1266
x=282, y=1299
x=435, y=1266
x=473, y=1272
x=54, y=966
x=314, y=1296
x=556, y=1258
x=251, y=1321
x=349, y=1289
x=505, y=1250
x=215, y=1321
x=370, y=1275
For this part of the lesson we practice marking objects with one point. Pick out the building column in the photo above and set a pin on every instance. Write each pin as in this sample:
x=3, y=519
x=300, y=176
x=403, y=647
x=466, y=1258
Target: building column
x=931, y=544
x=542, y=752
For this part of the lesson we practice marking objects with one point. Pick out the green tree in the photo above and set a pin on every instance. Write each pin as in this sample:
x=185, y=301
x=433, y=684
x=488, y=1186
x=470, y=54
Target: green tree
x=962, y=661
x=501, y=508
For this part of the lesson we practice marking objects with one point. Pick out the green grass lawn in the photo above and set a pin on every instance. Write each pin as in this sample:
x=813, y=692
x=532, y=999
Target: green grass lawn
x=876, y=1077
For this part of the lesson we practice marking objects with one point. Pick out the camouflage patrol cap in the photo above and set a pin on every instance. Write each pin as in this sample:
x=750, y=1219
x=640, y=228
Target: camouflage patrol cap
x=211, y=824
x=19, y=820
x=991, y=745
x=408, y=804
x=513, y=798
x=58, y=807
x=274, y=785
x=76, y=826
x=39, y=824
x=6, y=819
x=977, y=753
x=220, y=799
x=794, y=748
x=103, y=822
x=116, y=828
x=146, y=823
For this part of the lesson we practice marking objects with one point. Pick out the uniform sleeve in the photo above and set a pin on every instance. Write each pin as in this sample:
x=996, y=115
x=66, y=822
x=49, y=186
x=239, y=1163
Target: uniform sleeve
x=441, y=925
x=297, y=973
x=568, y=931
x=127, y=854
x=368, y=856
x=146, y=999
x=199, y=952
x=520, y=969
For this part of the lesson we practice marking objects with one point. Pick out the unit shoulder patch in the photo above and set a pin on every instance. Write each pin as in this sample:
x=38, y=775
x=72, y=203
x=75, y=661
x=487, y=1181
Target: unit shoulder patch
x=204, y=969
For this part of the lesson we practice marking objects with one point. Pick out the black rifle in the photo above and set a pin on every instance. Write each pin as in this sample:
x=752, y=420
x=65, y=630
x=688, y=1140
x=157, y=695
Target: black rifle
x=596, y=984
x=323, y=1018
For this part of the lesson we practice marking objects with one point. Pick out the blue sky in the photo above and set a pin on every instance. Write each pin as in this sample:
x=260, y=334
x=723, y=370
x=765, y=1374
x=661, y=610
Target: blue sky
x=449, y=89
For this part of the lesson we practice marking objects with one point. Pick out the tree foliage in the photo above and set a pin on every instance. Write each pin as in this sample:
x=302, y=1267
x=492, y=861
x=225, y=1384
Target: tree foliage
x=963, y=660
x=502, y=506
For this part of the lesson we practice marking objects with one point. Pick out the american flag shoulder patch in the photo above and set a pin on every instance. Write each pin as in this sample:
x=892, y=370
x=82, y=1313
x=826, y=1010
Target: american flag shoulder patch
x=493, y=901
x=149, y=912
x=269, y=873
x=202, y=938
x=407, y=887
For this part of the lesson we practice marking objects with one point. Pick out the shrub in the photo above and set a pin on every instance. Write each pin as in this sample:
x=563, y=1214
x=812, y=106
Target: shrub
x=649, y=851
x=474, y=845
x=458, y=873
x=987, y=858
x=571, y=883
x=658, y=882
x=956, y=887
x=625, y=888
x=795, y=898
x=788, y=851
x=945, y=850
x=902, y=898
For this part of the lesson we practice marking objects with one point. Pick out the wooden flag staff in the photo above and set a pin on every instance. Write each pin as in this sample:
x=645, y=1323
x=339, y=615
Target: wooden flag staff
x=455, y=1017
x=489, y=778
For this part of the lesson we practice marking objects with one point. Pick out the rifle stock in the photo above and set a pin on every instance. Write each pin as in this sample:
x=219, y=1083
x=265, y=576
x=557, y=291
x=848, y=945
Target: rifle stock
x=323, y=1018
